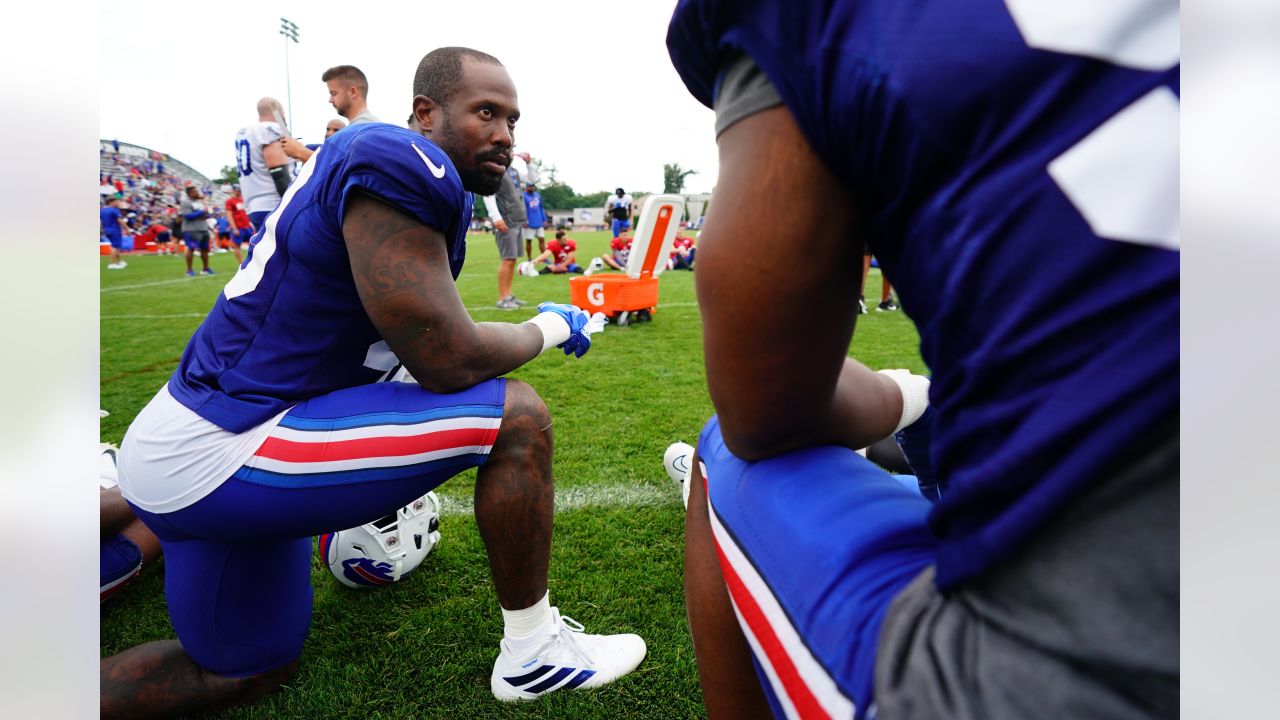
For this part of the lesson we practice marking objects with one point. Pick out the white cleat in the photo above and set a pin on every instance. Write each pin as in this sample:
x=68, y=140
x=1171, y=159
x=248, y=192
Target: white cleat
x=569, y=658
x=678, y=460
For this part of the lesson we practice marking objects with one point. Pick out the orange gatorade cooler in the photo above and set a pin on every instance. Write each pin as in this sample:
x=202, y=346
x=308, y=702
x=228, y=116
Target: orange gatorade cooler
x=617, y=296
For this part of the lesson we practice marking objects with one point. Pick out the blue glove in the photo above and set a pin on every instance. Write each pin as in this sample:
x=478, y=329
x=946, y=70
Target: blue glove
x=579, y=342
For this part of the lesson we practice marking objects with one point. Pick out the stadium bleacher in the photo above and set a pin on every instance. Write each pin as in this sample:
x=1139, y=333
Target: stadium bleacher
x=157, y=179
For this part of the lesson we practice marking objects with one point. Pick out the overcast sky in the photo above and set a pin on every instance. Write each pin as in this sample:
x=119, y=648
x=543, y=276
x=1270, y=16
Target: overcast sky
x=599, y=98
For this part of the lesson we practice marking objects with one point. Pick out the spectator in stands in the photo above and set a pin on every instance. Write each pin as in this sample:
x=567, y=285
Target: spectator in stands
x=263, y=164
x=113, y=229
x=333, y=126
x=348, y=93
x=195, y=232
x=537, y=217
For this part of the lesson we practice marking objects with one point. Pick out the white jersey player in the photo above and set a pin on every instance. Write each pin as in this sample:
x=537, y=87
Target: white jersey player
x=265, y=170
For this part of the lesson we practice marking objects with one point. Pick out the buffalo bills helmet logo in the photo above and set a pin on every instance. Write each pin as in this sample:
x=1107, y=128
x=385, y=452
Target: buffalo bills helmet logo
x=363, y=571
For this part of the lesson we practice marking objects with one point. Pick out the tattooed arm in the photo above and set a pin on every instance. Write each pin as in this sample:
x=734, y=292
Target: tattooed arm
x=401, y=270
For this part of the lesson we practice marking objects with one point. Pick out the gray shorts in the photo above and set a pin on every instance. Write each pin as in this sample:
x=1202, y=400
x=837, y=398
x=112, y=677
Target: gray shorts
x=1082, y=624
x=508, y=243
x=531, y=233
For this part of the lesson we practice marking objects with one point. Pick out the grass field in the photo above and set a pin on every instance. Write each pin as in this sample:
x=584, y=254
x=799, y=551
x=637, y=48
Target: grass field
x=423, y=648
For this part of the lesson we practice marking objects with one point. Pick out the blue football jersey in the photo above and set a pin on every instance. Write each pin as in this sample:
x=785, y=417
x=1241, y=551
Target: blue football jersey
x=1016, y=167
x=110, y=219
x=290, y=325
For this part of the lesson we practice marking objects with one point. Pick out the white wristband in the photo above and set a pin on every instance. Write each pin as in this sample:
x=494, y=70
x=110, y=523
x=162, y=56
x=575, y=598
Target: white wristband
x=915, y=395
x=555, y=329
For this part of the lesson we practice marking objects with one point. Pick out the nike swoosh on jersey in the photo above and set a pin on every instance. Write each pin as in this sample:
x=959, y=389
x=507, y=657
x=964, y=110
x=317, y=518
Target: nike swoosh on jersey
x=437, y=170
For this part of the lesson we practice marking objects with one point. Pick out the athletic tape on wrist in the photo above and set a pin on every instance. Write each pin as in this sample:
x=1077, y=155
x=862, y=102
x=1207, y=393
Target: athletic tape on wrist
x=915, y=395
x=555, y=329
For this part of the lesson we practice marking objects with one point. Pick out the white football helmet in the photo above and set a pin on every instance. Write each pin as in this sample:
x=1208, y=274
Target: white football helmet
x=385, y=550
x=527, y=269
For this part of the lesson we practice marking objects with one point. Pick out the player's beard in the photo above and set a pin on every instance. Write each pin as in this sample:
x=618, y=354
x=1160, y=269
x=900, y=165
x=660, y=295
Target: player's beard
x=474, y=179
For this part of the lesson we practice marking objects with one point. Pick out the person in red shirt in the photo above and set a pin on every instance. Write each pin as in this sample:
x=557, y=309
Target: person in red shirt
x=241, y=228
x=559, y=256
x=682, y=256
x=621, y=252
x=161, y=232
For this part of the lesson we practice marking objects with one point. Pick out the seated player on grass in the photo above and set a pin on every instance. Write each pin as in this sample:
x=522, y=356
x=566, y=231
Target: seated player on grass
x=559, y=257
x=682, y=254
x=619, y=253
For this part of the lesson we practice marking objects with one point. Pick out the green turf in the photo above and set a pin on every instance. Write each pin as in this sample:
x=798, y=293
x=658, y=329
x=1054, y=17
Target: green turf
x=424, y=647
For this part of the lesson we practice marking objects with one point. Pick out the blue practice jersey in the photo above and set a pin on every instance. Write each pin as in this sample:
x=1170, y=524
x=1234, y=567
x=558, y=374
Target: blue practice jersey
x=290, y=325
x=110, y=219
x=533, y=206
x=1018, y=178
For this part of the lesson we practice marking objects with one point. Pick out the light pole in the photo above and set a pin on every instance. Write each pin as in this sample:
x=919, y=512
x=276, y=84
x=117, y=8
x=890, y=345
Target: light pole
x=290, y=32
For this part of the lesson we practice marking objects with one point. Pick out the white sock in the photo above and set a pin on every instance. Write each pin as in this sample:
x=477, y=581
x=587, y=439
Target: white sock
x=521, y=626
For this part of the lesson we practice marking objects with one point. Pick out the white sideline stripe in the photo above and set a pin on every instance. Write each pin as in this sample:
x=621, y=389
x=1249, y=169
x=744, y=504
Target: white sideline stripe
x=590, y=496
x=811, y=672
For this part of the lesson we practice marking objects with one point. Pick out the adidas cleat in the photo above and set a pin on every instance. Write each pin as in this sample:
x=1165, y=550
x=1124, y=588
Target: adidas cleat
x=569, y=658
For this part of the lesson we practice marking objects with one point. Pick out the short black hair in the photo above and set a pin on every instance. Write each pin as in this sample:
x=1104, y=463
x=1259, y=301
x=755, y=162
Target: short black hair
x=440, y=72
x=620, y=191
x=349, y=73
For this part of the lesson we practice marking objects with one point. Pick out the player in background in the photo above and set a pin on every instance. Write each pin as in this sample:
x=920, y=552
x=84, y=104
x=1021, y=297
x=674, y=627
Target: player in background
x=113, y=229
x=619, y=252
x=313, y=397
x=683, y=253
x=195, y=229
x=886, y=288
x=1026, y=208
x=265, y=171
x=537, y=218
x=560, y=256
x=228, y=235
x=618, y=209
x=160, y=230
x=242, y=227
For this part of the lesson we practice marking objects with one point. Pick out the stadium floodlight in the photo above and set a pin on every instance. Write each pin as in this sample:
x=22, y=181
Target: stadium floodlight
x=290, y=32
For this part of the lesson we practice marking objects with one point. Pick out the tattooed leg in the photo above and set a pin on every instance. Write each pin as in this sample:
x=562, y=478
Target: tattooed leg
x=159, y=680
x=514, y=500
